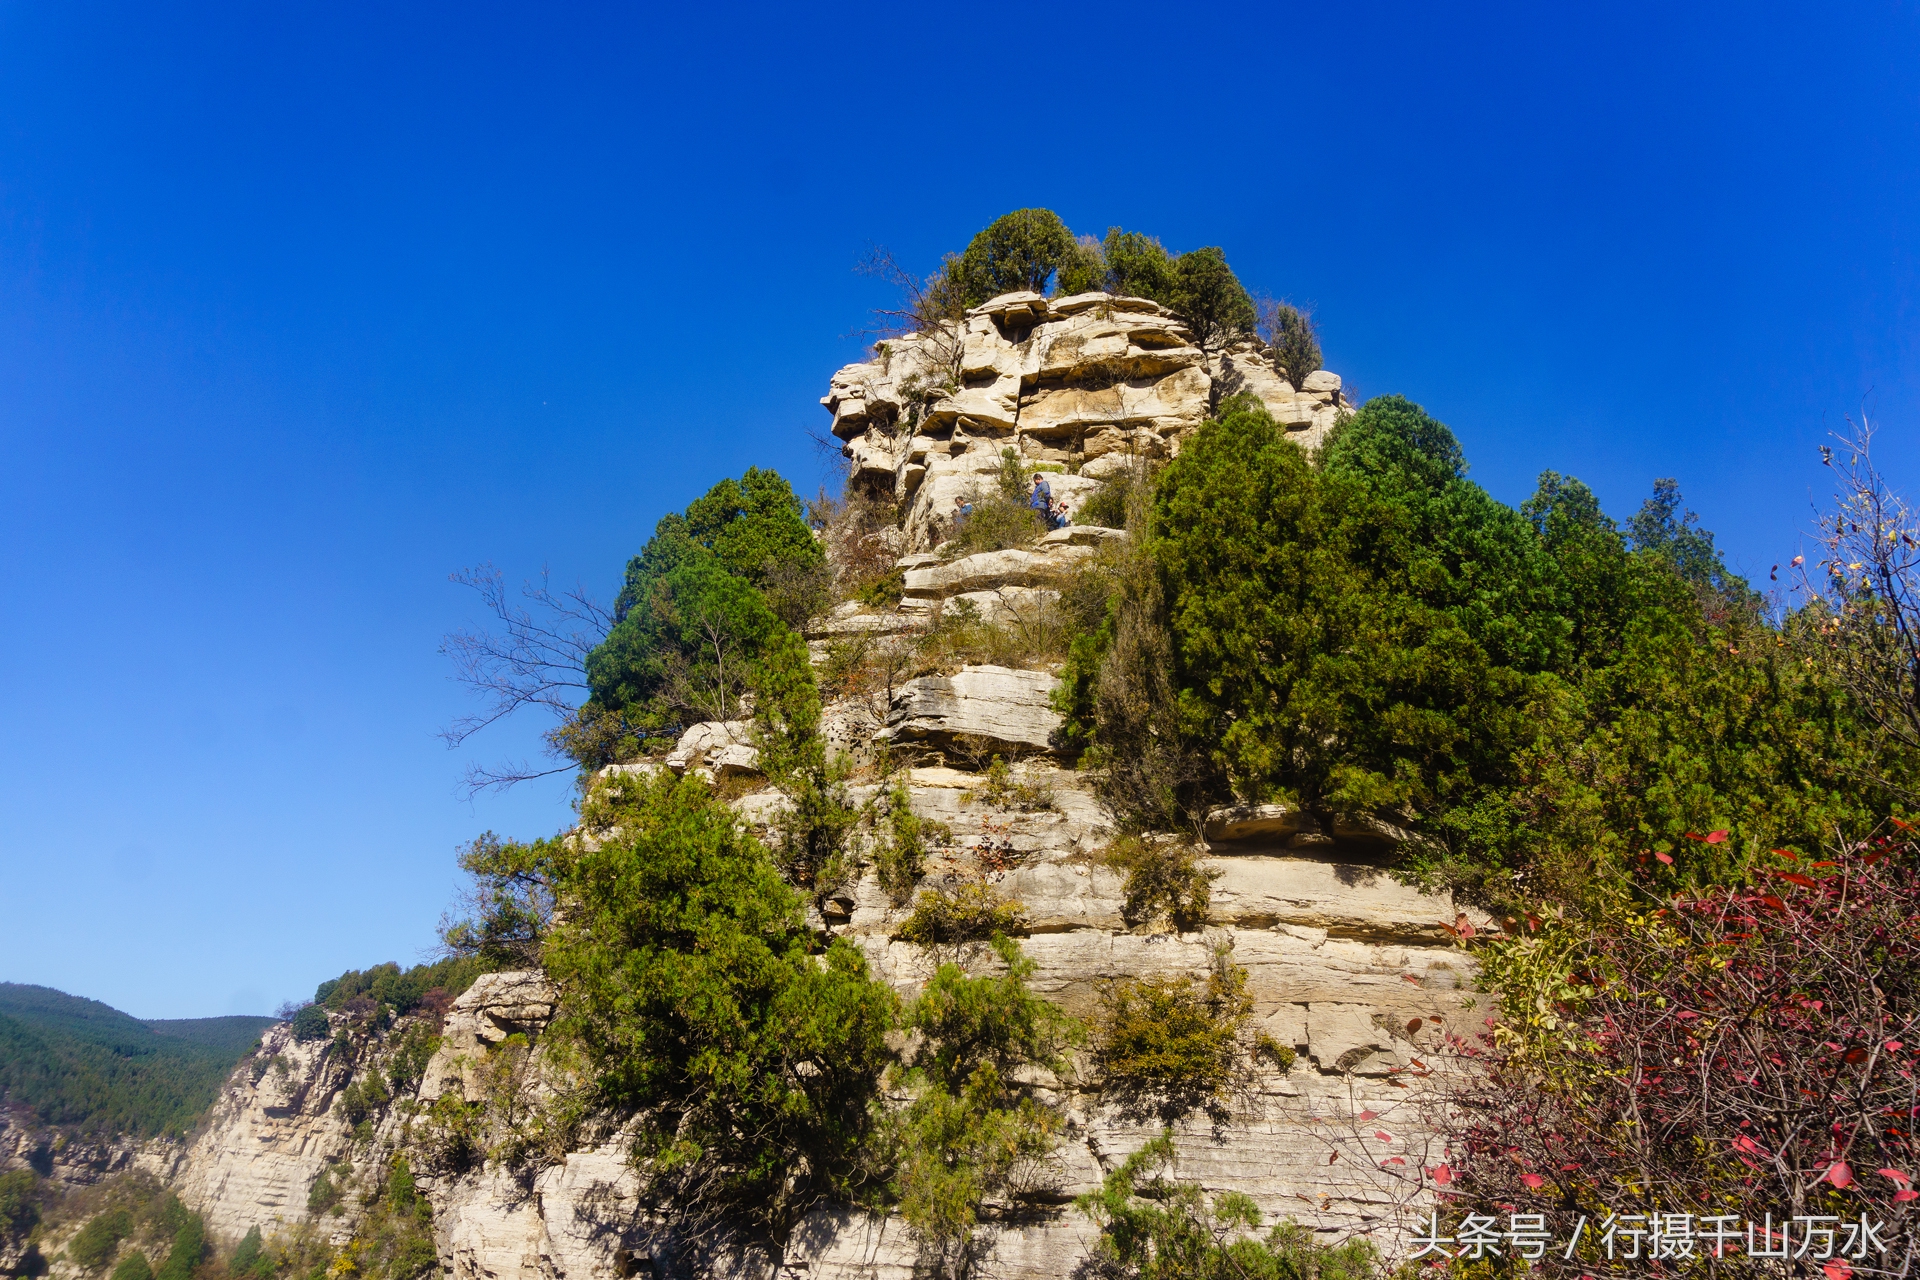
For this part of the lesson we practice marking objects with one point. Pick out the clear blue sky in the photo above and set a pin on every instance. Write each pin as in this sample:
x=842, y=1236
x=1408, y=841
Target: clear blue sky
x=304, y=306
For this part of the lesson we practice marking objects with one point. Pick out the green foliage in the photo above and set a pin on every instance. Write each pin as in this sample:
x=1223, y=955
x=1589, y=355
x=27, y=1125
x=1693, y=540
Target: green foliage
x=1168, y=1046
x=1105, y=507
x=411, y=1053
x=687, y=647
x=693, y=1000
x=394, y=1237
x=1663, y=528
x=390, y=989
x=250, y=1261
x=971, y=1131
x=1084, y=271
x=19, y=1203
x=364, y=1098
x=900, y=855
x=1163, y=881
x=1153, y=1227
x=968, y=912
x=189, y=1250
x=1018, y=250
x=811, y=834
x=92, y=1069
x=1139, y=267
x=1117, y=696
x=1000, y=517
x=1292, y=342
x=1002, y=791
x=1369, y=633
x=1209, y=297
x=94, y=1245
x=510, y=906
x=324, y=1195
x=1199, y=285
x=698, y=607
x=133, y=1266
x=311, y=1023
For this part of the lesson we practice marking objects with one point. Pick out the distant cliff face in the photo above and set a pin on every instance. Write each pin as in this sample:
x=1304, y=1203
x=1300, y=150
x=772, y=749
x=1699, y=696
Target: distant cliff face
x=1352, y=970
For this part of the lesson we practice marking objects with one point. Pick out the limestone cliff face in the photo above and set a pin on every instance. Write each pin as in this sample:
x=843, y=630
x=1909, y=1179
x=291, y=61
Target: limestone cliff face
x=1352, y=969
x=270, y=1135
x=1089, y=382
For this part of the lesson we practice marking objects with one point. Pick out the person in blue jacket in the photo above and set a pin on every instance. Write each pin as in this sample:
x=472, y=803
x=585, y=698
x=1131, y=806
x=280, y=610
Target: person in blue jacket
x=1041, y=500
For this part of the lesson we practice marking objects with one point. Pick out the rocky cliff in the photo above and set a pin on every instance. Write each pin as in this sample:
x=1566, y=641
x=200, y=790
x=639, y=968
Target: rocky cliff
x=1351, y=969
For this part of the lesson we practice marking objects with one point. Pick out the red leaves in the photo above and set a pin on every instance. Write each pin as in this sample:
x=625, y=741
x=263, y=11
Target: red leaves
x=1904, y=1182
x=1774, y=902
x=1836, y=1269
x=1408, y=977
x=1333, y=1155
x=1365, y=1116
x=1666, y=858
x=1383, y=1135
x=1442, y=1175
x=1794, y=877
x=1533, y=1181
x=1712, y=837
x=1854, y=1056
x=1840, y=1174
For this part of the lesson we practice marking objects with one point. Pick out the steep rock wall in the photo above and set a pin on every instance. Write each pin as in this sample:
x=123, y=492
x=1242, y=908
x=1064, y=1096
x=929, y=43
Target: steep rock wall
x=1353, y=970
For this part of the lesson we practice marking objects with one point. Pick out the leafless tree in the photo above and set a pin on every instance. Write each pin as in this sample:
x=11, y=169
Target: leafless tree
x=1866, y=584
x=536, y=657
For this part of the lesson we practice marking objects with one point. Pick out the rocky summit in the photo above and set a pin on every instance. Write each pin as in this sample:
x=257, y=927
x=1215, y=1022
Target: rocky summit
x=1350, y=970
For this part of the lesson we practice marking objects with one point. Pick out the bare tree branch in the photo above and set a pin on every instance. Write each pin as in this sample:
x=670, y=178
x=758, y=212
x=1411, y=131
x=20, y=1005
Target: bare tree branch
x=535, y=660
x=1867, y=586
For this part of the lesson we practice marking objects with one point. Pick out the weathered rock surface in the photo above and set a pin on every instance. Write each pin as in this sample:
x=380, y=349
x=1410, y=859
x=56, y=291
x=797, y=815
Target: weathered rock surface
x=1352, y=969
x=1004, y=709
x=496, y=1006
x=272, y=1133
x=1085, y=384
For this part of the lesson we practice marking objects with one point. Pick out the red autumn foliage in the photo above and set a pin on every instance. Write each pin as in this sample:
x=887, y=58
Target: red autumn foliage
x=1746, y=1052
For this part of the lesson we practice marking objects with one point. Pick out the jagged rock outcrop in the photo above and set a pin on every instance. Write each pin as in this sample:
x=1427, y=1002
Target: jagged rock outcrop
x=1353, y=970
x=1086, y=382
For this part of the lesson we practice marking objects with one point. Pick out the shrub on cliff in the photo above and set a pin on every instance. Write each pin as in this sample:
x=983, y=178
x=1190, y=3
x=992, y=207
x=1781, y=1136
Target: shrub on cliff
x=1167, y=1046
x=1155, y=1227
x=975, y=1129
x=19, y=1204
x=694, y=1003
x=94, y=1245
x=1018, y=250
x=1747, y=1051
x=1291, y=340
x=697, y=609
x=188, y=1251
x=1367, y=631
x=1138, y=267
x=311, y=1023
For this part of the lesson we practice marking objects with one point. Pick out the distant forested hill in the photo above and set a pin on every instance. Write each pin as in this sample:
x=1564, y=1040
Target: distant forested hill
x=89, y=1067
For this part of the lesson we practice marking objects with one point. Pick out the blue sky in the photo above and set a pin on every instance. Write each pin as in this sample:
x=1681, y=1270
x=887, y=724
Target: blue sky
x=304, y=306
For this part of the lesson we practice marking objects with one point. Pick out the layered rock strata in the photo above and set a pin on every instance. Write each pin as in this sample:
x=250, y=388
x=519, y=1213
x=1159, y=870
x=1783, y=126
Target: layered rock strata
x=1352, y=970
x=1086, y=384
